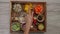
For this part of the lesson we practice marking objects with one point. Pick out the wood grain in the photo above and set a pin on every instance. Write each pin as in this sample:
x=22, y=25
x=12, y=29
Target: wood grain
x=53, y=17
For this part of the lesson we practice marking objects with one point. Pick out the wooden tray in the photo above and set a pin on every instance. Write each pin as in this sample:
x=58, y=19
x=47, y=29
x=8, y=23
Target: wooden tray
x=35, y=27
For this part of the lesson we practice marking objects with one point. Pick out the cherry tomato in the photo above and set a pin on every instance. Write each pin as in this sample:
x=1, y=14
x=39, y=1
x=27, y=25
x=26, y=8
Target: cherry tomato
x=38, y=9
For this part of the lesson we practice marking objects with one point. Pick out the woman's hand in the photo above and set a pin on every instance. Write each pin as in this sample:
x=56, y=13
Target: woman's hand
x=29, y=20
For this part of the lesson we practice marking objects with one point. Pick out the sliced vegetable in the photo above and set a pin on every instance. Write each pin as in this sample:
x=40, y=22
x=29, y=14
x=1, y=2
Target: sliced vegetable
x=15, y=26
x=40, y=26
x=38, y=9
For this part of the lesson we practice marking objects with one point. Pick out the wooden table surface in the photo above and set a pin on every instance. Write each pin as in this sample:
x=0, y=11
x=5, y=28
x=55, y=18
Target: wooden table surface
x=53, y=17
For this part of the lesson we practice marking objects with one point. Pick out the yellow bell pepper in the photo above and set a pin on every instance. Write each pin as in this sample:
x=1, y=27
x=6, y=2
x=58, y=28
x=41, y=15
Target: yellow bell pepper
x=27, y=7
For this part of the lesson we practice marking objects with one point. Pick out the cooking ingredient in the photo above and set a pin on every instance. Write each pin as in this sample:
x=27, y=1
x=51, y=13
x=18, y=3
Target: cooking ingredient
x=40, y=26
x=40, y=18
x=22, y=20
x=34, y=20
x=17, y=7
x=38, y=9
x=16, y=18
x=15, y=26
x=27, y=7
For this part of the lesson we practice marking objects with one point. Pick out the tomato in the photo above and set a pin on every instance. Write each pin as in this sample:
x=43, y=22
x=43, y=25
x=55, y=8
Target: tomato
x=38, y=9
